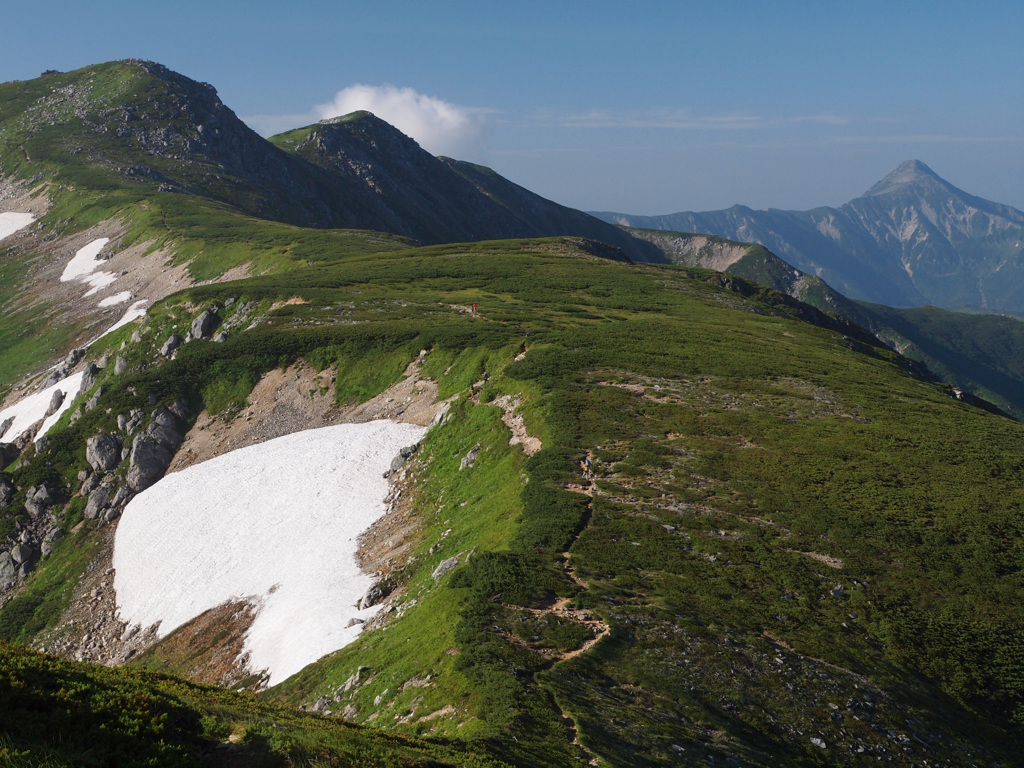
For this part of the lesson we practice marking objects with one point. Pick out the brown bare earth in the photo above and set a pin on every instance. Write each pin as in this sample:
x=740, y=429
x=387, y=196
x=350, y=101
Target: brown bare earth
x=300, y=398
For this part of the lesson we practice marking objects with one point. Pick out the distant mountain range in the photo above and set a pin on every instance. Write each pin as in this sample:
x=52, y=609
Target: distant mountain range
x=912, y=239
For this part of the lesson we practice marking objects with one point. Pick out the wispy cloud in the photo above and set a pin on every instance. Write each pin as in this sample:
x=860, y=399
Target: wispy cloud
x=439, y=126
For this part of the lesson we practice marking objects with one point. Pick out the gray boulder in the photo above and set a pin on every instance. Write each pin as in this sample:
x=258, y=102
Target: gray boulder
x=38, y=500
x=93, y=401
x=470, y=458
x=120, y=365
x=445, y=566
x=99, y=500
x=55, y=402
x=88, y=378
x=172, y=343
x=6, y=491
x=149, y=460
x=8, y=569
x=121, y=498
x=102, y=452
x=221, y=337
x=377, y=592
x=204, y=324
x=5, y=425
x=24, y=553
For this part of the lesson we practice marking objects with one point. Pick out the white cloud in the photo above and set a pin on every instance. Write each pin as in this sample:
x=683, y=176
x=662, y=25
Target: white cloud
x=440, y=127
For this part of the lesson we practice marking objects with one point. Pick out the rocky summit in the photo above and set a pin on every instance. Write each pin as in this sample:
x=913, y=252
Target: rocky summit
x=912, y=239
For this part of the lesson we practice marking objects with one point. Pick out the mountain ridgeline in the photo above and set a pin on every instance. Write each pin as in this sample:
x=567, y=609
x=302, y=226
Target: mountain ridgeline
x=911, y=239
x=138, y=124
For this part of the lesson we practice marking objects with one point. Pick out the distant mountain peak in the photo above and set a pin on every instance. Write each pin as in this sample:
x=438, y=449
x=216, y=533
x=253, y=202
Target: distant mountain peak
x=907, y=173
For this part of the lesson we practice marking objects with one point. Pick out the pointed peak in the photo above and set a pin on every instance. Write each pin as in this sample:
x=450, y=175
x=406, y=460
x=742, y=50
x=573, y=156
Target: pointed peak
x=907, y=173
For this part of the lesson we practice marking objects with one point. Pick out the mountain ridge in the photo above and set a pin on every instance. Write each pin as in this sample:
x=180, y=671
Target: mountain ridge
x=911, y=239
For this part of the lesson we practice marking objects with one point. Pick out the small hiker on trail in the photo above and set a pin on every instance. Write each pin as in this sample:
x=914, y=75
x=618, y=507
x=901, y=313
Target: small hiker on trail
x=474, y=308
x=588, y=468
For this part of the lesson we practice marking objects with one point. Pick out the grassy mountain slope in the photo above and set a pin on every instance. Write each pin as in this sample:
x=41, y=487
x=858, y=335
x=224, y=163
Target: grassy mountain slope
x=801, y=553
x=133, y=151
x=977, y=353
x=60, y=713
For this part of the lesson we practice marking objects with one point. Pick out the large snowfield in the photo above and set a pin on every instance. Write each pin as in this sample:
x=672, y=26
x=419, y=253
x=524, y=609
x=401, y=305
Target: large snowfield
x=12, y=222
x=31, y=409
x=276, y=523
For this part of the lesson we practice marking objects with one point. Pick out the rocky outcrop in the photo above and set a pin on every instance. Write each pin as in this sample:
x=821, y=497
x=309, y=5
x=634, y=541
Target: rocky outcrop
x=38, y=500
x=153, y=450
x=6, y=491
x=99, y=500
x=173, y=342
x=55, y=403
x=103, y=453
x=204, y=324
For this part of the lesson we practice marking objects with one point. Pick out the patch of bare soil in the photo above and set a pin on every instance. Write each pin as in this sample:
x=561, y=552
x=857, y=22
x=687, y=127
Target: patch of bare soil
x=514, y=421
x=301, y=398
x=208, y=649
x=15, y=197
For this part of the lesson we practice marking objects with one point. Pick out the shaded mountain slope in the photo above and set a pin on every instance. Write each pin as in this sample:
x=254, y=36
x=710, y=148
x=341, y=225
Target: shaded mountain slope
x=912, y=238
x=138, y=124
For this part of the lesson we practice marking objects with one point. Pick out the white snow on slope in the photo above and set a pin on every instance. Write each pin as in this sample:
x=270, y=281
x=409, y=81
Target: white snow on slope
x=85, y=261
x=12, y=222
x=31, y=409
x=135, y=311
x=117, y=298
x=276, y=522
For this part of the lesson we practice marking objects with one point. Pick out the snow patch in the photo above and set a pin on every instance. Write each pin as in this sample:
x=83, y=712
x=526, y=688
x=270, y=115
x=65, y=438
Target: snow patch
x=276, y=523
x=117, y=298
x=12, y=222
x=99, y=281
x=85, y=260
x=31, y=409
x=135, y=311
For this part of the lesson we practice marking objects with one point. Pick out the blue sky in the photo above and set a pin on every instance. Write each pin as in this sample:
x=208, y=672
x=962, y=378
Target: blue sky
x=645, y=107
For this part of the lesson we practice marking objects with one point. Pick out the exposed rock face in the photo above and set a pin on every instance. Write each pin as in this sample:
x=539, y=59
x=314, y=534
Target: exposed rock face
x=38, y=500
x=99, y=500
x=6, y=491
x=204, y=324
x=444, y=566
x=55, y=402
x=103, y=453
x=172, y=343
x=153, y=450
x=5, y=425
